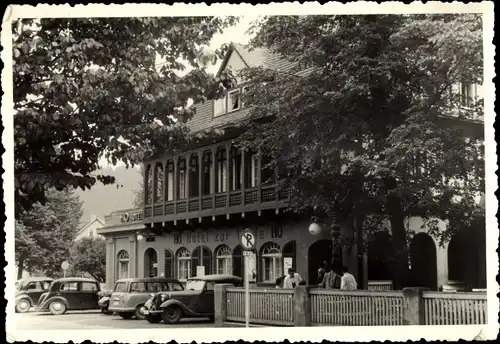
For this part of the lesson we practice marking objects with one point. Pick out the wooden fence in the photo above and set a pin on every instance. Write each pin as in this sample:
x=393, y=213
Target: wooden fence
x=305, y=306
x=379, y=285
x=267, y=305
x=356, y=308
x=455, y=308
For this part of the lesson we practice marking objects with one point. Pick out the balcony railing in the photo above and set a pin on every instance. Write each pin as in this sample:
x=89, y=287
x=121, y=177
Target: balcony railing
x=253, y=199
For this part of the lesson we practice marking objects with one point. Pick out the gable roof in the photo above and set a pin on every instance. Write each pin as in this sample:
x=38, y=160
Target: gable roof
x=89, y=224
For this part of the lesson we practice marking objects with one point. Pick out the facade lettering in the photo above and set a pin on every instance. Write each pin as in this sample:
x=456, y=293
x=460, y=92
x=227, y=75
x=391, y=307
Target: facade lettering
x=199, y=237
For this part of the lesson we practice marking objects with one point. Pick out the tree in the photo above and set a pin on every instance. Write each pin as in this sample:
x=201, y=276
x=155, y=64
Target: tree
x=90, y=87
x=88, y=256
x=44, y=234
x=380, y=86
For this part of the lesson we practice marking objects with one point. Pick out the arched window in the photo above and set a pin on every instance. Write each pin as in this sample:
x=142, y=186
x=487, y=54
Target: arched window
x=182, y=179
x=223, y=260
x=183, y=257
x=271, y=262
x=150, y=263
x=149, y=184
x=123, y=264
x=169, y=264
x=159, y=182
x=169, y=190
x=202, y=256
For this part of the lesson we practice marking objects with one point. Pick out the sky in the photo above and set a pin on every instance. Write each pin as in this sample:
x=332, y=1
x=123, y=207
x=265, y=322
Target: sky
x=235, y=34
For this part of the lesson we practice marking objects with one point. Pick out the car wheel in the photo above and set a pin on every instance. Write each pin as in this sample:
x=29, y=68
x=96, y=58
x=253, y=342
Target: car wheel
x=139, y=312
x=172, y=315
x=126, y=315
x=105, y=311
x=23, y=306
x=57, y=307
x=153, y=318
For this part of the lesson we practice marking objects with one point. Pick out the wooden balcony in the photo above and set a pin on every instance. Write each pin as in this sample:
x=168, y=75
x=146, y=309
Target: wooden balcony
x=232, y=202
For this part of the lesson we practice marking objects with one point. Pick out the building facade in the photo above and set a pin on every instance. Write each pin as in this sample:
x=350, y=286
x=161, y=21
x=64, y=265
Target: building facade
x=199, y=201
x=90, y=228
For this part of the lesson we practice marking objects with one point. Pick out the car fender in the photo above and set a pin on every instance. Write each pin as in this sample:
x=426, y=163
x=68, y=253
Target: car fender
x=24, y=296
x=185, y=309
x=46, y=303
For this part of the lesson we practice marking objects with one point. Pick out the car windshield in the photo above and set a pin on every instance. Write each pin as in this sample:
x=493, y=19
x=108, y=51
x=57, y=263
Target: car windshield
x=120, y=287
x=175, y=286
x=195, y=285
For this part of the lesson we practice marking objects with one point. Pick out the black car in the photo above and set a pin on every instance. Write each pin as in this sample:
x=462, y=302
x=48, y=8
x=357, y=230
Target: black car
x=29, y=290
x=195, y=301
x=71, y=293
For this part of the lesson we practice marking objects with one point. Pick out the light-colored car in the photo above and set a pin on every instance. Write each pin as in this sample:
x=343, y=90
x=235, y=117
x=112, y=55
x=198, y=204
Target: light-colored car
x=130, y=294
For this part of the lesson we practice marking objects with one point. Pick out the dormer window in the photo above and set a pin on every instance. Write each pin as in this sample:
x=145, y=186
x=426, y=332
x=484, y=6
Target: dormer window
x=234, y=100
x=229, y=103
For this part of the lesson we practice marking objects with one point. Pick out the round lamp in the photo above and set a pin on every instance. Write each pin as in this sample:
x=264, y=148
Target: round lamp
x=139, y=237
x=314, y=228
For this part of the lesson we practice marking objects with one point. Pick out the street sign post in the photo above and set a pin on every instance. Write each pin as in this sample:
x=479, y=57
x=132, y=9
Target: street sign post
x=247, y=240
x=65, y=267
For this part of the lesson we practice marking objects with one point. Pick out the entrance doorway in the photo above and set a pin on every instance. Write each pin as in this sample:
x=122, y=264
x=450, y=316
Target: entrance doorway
x=318, y=252
x=423, y=271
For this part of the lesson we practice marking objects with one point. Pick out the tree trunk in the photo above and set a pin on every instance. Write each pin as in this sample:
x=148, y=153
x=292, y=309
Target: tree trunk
x=20, y=268
x=401, y=268
x=336, y=263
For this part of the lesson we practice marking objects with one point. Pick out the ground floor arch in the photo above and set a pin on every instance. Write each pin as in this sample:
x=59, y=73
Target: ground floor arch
x=423, y=262
x=320, y=251
x=150, y=263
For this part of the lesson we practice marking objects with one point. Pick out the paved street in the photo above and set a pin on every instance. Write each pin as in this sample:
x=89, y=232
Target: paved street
x=91, y=320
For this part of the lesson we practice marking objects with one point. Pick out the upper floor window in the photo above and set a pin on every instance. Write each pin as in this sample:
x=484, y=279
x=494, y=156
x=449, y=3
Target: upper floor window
x=221, y=170
x=170, y=181
x=149, y=184
x=232, y=101
x=468, y=93
x=182, y=179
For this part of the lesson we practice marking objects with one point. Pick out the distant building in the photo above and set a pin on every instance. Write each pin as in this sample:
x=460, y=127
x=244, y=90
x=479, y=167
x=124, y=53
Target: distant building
x=90, y=229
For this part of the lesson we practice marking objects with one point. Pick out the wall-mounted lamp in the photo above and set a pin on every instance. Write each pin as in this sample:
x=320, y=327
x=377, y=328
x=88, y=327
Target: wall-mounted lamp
x=140, y=236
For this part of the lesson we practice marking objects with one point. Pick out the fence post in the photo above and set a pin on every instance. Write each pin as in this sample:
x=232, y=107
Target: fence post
x=413, y=306
x=220, y=304
x=302, y=306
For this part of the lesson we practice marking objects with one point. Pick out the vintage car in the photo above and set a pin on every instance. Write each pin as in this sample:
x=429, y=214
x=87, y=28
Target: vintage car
x=130, y=294
x=195, y=301
x=70, y=293
x=28, y=292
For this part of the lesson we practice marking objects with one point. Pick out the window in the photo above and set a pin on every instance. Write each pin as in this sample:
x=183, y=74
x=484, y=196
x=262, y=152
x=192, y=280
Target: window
x=91, y=234
x=206, y=186
x=120, y=287
x=87, y=286
x=174, y=286
x=254, y=163
x=170, y=181
x=183, y=264
x=202, y=256
x=31, y=286
x=123, y=263
x=220, y=107
x=159, y=182
x=271, y=262
x=193, y=176
x=149, y=184
x=46, y=285
x=233, y=100
x=221, y=170
x=236, y=169
x=169, y=264
x=182, y=178
x=70, y=286
x=223, y=260
x=210, y=286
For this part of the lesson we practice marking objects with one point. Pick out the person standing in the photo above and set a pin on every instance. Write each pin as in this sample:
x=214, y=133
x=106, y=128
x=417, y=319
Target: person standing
x=348, y=281
x=321, y=273
x=331, y=280
x=292, y=280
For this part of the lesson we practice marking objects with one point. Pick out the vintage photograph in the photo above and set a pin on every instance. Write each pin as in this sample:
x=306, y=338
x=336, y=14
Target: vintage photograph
x=245, y=170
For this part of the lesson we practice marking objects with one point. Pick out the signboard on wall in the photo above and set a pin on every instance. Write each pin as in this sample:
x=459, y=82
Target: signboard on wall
x=200, y=270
